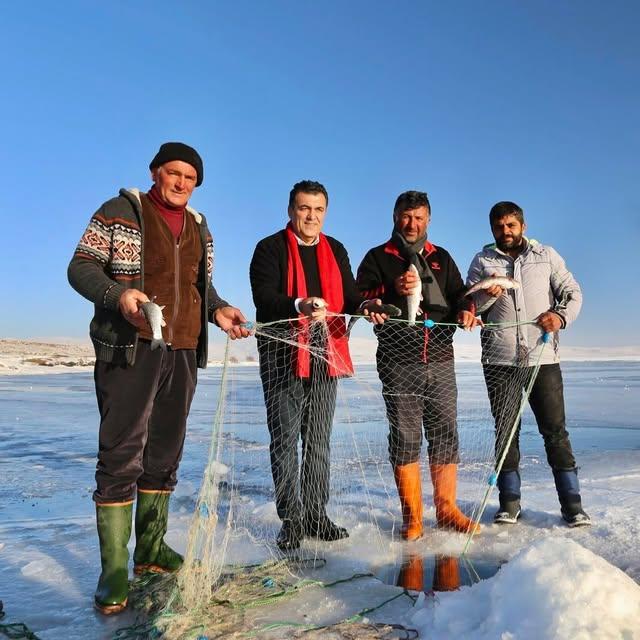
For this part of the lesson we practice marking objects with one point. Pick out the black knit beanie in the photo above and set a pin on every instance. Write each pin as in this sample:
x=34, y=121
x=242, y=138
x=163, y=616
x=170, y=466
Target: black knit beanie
x=179, y=151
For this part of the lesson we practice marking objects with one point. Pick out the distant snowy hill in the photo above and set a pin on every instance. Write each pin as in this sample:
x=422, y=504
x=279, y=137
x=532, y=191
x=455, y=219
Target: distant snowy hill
x=49, y=355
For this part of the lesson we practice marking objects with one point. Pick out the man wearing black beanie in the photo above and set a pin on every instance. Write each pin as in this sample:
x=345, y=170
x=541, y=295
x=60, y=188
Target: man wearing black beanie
x=179, y=151
x=137, y=248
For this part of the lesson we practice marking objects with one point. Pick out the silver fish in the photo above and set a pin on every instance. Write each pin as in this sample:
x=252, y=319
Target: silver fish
x=502, y=281
x=413, y=299
x=390, y=309
x=153, y=313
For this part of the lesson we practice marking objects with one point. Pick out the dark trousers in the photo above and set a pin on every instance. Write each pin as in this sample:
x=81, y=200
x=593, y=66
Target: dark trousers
x=143, y=418
x=417, y=396
x=504, y=386
x=299, y=408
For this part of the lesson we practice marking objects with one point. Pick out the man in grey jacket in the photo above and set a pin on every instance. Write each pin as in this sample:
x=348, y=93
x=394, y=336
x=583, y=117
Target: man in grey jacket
x=549, y=296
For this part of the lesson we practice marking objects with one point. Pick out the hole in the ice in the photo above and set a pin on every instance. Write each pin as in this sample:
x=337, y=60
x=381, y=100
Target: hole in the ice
x=438, y=572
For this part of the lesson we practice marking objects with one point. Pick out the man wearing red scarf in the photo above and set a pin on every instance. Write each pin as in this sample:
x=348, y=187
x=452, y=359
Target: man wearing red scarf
x=300, y=274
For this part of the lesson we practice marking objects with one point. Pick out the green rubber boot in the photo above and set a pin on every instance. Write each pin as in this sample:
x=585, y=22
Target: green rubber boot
x=114, y=531
x=152, y=553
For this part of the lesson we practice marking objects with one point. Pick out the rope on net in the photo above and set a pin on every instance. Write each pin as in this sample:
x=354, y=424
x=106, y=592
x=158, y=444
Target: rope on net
x=15, y=630
x=146, y=592
x=357, y=617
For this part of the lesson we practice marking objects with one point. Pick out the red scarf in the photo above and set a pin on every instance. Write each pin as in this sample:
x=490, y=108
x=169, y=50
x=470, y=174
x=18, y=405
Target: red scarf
x=339, y=360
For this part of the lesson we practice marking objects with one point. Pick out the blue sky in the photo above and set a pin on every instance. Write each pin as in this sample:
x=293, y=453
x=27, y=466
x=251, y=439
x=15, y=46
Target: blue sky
x=473, y=102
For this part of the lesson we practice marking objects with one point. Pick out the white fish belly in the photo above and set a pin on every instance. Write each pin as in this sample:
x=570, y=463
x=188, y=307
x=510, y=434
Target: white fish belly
x=413, y=299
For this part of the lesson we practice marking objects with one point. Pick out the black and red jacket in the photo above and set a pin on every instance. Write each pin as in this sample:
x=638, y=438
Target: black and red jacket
x=376, y=274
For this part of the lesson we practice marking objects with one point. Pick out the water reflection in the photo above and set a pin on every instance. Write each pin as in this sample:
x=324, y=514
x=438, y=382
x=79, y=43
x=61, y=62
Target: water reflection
x=441, y=572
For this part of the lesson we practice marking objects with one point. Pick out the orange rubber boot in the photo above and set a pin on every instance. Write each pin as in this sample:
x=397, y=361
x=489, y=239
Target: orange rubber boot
x=444, y=477
x=446, y=575
x=411, y=575
x=410, y=491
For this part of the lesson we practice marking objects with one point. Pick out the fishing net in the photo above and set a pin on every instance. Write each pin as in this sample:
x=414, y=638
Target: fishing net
x=303, y=434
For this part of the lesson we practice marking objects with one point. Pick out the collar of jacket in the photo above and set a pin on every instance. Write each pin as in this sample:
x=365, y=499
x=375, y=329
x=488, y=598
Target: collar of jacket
x=391, y=248
x=301, y=243
x=134, y=196
x=530, y=243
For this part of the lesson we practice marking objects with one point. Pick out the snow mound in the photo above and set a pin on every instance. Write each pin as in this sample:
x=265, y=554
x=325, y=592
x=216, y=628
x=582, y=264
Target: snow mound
x=552, y=589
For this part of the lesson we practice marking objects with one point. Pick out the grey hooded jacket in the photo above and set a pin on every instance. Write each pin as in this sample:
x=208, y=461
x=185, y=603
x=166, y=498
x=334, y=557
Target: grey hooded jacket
x=545, y=285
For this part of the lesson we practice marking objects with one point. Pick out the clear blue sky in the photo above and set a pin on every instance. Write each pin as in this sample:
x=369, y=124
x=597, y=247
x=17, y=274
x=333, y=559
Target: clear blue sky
x=473, y=102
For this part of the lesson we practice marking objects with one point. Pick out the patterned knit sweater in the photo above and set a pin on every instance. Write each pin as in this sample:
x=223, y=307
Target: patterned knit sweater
x=110, y=259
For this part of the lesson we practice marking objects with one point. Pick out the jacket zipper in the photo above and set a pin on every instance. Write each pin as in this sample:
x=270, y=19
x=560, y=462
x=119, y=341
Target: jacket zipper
x=176, y=284
x=425, y=339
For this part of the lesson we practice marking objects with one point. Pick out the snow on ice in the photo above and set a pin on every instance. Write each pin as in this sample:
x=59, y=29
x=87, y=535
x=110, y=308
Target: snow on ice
x=553, y=582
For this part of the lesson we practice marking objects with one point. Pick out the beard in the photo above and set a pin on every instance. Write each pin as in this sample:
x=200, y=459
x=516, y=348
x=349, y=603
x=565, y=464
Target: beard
x=509, y=243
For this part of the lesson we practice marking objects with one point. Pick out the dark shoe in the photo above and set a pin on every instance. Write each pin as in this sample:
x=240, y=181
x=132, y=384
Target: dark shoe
x=152, y=553
x=114, y=531
x=575, y=517
x=323, y=529
x=509, y=496
x=508, y=513
x=509, y=484
x=568, y=489
x=290, y=536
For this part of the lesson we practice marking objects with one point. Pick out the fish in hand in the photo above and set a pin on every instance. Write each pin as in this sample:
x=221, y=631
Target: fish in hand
x=153, y=314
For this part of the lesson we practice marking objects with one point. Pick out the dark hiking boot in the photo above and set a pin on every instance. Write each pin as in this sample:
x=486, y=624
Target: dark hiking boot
x=114, y=531
x=509, y=496
x=322, y=528
x=508, y=513
x=152, y=554
x=574, y=515
x=576, y=518
x=290, y=536
x=568, y=489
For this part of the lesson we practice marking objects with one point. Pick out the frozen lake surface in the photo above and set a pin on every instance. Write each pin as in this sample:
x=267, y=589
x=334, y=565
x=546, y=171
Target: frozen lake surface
x=49, y=560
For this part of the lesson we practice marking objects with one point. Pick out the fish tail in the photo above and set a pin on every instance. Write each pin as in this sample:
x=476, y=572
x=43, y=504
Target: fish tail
x=158, y=342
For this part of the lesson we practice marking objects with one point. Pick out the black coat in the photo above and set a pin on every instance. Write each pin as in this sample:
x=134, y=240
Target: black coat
x=268, y=276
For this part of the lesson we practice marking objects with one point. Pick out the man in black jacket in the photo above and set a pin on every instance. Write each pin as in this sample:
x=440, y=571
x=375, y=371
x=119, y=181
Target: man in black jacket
x=299, y=273
x=137, y=247
x=415, y=361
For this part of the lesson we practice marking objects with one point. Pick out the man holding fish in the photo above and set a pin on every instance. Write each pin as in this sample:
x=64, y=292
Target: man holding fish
x=525, y=286
x=146, y=262
x=302, y=274
x=415, y=362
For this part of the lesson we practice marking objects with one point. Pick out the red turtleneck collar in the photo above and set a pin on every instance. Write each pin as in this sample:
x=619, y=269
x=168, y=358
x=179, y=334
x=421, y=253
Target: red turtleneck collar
x=173, y=216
